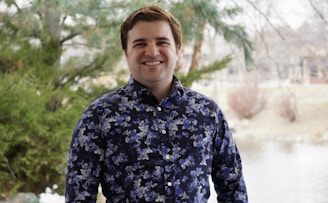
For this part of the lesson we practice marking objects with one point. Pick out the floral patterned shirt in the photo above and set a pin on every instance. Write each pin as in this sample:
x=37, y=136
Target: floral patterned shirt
x=140, y=150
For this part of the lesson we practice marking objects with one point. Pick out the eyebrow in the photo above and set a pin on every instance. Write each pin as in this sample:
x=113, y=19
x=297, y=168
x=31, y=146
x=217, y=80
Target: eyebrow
x=157, y=39
x=138, y=41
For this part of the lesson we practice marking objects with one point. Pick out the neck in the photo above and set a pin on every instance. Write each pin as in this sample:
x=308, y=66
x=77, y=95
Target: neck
x=159, y=89
x=160, y=92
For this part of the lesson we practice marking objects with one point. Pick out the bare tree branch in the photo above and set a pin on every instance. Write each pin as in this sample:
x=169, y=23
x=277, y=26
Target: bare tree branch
x=69, y=37
x=63, y=22
x=267, y=50
x=10, y=169
x=18, y=8
x=318, y=12
x=266, y=18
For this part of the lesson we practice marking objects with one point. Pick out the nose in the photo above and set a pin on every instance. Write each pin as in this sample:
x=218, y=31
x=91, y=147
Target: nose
x=152, y=50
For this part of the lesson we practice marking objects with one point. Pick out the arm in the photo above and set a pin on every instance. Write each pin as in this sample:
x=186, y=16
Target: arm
x=226, y=167
x=84, y=163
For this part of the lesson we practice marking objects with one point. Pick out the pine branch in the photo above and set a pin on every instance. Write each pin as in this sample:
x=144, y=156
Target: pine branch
x=198, y=74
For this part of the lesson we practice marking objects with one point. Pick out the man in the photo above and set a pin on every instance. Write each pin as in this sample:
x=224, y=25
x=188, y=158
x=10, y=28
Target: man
x=153, y=140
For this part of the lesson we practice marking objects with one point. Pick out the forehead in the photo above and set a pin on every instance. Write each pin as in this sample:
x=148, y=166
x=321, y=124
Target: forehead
x=148, y=30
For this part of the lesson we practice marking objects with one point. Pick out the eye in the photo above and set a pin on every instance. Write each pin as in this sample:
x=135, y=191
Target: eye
x=163, y=43
x=141, y=44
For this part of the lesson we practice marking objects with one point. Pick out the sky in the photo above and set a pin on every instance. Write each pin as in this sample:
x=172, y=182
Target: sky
x=294, y=12
x=275, y=12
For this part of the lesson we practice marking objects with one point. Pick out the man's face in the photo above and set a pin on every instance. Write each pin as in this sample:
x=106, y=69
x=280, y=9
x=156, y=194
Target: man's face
x=151, y=53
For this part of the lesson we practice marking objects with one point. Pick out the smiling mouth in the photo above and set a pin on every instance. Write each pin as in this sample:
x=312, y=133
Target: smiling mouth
x=152, y=63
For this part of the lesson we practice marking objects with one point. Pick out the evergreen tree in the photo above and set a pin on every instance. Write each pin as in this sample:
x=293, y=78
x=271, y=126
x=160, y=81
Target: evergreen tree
x=50, y=52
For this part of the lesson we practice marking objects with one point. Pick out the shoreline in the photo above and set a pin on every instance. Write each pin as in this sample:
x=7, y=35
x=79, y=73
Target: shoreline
x=311, y=124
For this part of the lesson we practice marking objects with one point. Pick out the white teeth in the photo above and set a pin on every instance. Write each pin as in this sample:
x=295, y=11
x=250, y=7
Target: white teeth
x=152, y=63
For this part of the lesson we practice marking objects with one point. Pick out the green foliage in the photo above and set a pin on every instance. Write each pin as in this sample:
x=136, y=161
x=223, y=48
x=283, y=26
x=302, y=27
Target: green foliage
x=38, y=107
x=33, y=139
x=35, y=130
x=55, y=27
x=238, y=36
x=199, y=74
x=193, y=13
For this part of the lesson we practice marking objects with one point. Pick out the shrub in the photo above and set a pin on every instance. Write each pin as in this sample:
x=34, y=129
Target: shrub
x=287, y=107
x=34, y=140
x=247, y=100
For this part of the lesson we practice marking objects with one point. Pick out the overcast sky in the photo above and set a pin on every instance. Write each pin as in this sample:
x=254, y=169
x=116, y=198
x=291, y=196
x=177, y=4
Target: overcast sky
x=277, y=12
x=295, y=11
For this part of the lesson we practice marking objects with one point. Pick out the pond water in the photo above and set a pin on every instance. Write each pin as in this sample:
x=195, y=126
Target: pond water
x=284, y=172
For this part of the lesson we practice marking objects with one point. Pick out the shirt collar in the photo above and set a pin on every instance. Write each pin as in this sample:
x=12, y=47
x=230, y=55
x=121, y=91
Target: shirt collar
x=138, y=90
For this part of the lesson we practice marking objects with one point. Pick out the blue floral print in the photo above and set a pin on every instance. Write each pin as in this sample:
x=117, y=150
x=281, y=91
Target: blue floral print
x=140, y=150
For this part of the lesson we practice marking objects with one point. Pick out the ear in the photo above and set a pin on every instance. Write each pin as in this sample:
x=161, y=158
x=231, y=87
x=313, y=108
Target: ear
x=179, y=52
x=179, y=59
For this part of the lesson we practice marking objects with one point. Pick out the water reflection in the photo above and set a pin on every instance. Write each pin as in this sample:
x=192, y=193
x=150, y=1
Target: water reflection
x=285, y=172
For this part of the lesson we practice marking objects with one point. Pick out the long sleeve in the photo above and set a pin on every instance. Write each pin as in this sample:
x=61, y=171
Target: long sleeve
x=226, y=167
x=84, y=162
x=143, y=151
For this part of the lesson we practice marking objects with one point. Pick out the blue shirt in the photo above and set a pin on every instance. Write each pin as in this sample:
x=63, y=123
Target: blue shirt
x=140, y=150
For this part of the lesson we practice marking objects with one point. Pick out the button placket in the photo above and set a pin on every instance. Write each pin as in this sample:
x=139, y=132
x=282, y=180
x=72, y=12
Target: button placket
x=167, y=157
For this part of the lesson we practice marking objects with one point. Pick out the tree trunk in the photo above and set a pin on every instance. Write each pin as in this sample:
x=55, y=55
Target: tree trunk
x=197, y=48
x=51, y=39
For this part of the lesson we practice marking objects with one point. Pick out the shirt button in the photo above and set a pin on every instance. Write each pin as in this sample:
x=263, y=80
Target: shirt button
x=169, y=184
x=159, y=108
x=164, y=132
x=167, y=157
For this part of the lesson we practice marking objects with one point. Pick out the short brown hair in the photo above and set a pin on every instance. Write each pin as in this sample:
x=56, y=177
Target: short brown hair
x=151, y=13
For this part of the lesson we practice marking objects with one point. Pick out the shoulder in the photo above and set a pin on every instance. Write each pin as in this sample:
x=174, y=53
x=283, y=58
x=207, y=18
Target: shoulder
x=113, y=96
x=203, y=103
x=199, y=97
x=108, y=101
